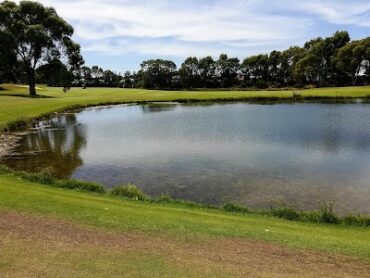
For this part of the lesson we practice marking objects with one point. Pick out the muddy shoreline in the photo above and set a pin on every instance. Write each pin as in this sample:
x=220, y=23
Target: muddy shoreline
x=8, y=143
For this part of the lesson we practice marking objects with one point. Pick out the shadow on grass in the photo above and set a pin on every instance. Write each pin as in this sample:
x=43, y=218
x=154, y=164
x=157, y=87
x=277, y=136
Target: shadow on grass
x=22, y=95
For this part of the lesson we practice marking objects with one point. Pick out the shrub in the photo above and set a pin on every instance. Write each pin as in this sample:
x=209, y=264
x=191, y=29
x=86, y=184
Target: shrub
x=235, y=207
x=15, y=125
x=129, y=191
x=81, y=185
x=261, y=84
x=4, y=169
x=44, y=177
x=327, y=214
x=285, y=212
x=164, y=199
x=311, y=216
x=352, y=220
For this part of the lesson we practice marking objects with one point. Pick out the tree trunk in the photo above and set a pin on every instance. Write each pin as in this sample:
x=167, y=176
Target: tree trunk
x=354, y=80
x=32, y=82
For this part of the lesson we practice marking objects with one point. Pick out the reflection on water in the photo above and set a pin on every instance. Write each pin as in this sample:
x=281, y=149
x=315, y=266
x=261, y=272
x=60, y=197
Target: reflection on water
x=254, y=154
x=56, y=147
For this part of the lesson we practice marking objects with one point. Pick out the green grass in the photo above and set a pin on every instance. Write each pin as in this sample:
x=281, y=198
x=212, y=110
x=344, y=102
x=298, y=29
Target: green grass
x=176, y=221
x=325, y=214
x=16, y=106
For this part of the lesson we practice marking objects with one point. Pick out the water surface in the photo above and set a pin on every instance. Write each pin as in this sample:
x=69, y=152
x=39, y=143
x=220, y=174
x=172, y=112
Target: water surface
x=253, y=154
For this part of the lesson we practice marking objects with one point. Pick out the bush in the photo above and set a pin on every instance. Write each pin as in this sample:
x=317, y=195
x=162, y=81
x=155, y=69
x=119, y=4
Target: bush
x=81, y=185
x=327, y=214
x=15, y=125
x=285, y=212
x=4, y=169
x=352, y=220
x=261, y=84
x=44, y=177
x=165, y=199
x=129, y=191
x=311, y=216
x=235, y=207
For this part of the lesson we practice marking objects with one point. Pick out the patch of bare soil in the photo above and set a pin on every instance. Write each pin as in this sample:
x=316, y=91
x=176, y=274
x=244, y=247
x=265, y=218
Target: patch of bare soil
x=241, y=257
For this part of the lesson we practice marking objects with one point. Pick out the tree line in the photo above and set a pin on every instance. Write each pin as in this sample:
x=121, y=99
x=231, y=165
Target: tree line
x=331, y=61
x=36, y=47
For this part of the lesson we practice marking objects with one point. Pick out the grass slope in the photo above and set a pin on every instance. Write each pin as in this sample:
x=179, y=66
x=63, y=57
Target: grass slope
x=183, y=224
x=15, y=104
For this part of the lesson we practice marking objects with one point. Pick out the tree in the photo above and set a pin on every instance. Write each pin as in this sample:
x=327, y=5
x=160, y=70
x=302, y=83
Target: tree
x=227, y=71
x=189, y=73
x=275, y=64
x=256, y=69
x=38, y=36
x=289, y=59
x=85, y=74
x=8, y=59
x=157, y=73
x=128, y=80
x=316, y=66
x=111, y=79
x=51, y=73
x=97, y=74
x=207, y=67
x=353, y=59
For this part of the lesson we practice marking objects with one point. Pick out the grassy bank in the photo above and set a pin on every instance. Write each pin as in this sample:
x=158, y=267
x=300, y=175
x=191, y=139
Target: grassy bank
x=324, y=215
x=16, y=106
x=176, y=221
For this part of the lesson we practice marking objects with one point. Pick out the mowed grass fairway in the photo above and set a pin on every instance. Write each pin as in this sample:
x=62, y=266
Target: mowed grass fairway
x=51, y=232
x=16, y=105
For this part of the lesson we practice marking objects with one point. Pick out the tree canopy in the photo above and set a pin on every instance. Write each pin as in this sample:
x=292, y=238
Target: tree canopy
x=37, y=36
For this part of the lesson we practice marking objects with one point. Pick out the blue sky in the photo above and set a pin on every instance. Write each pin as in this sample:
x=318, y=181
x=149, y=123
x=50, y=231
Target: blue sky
x=120, y=34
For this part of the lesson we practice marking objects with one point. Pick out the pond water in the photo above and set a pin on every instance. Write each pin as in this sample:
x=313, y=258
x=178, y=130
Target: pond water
x=250, y=153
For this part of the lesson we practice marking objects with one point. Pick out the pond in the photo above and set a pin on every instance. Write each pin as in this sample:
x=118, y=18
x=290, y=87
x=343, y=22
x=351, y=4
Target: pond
x=250, y=153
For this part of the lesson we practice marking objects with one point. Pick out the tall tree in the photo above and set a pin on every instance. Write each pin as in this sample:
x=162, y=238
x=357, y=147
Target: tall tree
x=38, y=35
x=354, y=58
x=275, y=63
x=207, y=67
x=189, y=73
x=256, y=69
x=157, y=73
x=85, y=74
x=51, y=73
x=8, y=58
x=316, y=66
x=97, y=74
x=227, y=71
x=289, y=59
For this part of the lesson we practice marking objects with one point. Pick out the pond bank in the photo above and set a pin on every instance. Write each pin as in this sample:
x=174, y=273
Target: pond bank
x=228, y=178
x=8, y=143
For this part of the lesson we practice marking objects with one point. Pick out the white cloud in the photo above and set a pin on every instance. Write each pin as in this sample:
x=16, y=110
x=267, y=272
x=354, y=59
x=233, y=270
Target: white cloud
x=224, y=21
x=342, y=12
x=217, y=22
x=208, y=27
